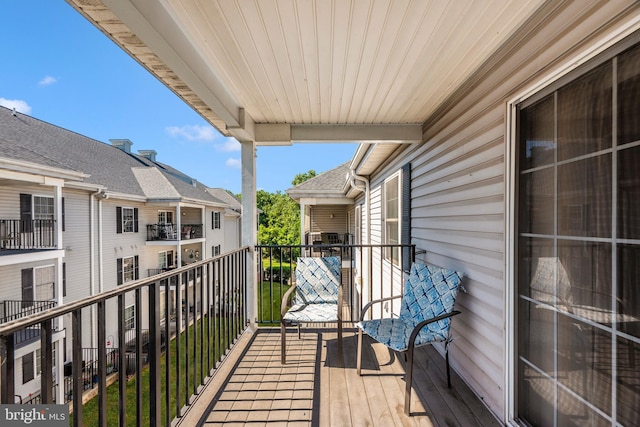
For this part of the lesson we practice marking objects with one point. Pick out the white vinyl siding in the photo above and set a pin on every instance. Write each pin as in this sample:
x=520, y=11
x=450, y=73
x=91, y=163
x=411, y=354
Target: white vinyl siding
x=458, y=190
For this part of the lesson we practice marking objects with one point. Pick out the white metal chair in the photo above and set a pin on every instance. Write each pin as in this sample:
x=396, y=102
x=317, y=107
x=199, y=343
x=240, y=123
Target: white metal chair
x=318, y=297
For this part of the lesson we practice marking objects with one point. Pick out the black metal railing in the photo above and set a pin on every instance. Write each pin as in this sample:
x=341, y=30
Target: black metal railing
x=16, y=309
x=18, y=234
x=213, y=291
x=154, y=271
x=162, y=232
x=191, y=231
x=368, y=272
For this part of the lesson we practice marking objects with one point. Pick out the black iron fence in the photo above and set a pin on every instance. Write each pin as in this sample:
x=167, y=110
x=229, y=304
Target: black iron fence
x=368, y=272
x=16, y=309
x=209, y=294
x=16, y=234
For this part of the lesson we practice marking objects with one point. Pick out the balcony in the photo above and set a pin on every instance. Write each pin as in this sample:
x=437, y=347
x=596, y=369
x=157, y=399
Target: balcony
x=17, y=309
x=217, y=367
x=17, y=235
x=169, y=232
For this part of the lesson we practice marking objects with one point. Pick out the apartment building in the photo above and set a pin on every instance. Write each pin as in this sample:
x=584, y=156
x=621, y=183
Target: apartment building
x=79, y=217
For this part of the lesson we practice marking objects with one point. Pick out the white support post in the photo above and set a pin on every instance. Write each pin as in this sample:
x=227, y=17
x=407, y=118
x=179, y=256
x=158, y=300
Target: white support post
x=249, y=224
x=302, y=224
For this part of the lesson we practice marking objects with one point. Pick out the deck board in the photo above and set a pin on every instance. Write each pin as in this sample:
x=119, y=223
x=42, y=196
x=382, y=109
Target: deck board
x=313, y=390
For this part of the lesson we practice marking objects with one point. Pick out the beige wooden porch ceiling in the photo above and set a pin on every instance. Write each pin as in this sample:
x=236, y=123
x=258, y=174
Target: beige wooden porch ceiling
x=276, y=71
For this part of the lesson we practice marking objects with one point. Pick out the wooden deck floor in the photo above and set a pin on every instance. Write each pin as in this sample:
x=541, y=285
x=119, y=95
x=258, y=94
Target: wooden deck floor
x=312, y=390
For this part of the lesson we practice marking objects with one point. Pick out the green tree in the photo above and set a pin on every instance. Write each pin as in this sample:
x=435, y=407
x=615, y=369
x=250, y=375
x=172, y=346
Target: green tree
x=279, y=219
x=302, y=177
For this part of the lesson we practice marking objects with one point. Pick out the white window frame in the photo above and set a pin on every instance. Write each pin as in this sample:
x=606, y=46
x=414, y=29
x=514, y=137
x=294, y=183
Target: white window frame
x=599, y=46
x=165, y=217
x=164, y=260
x=215, y=250
x=37, y=214
x=130, y=317
x=38, y=288
x=128, y=219
x=128, y=269
x=216, y=221
x=390, y=254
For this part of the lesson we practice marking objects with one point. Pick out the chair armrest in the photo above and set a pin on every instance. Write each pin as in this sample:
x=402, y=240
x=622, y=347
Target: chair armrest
x=375, y=301
x=419, y=326
x=285, y=297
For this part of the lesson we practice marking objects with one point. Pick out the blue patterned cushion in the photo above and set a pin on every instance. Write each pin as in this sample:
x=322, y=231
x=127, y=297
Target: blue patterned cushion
x=429, y=292
x=317, y=280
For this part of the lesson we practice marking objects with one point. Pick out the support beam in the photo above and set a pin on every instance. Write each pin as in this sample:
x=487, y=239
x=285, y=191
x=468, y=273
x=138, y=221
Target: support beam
x=249, y=225
x=286, y=134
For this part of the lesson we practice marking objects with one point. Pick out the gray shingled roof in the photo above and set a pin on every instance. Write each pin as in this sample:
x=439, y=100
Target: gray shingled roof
x=330, y=182
x=224, y=195
x=23, y=137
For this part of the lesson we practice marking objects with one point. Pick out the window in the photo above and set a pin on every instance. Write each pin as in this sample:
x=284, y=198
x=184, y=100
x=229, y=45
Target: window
x=391, y=217
x=28, y=373
x=578, y=247
x=215, y=220
x=64, y=279
x=38, y=362
x=126, y=220
x=130, y=317
x=215, y=250
x=127, y=269
x=45, y=283
x=165, y=217
x=27, y=287
x=165, y=259
x=43, y=208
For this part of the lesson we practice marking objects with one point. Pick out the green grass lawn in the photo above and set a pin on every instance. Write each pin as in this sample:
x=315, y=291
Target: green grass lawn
x=269, y=305
x=271, y=293
x=90, y=409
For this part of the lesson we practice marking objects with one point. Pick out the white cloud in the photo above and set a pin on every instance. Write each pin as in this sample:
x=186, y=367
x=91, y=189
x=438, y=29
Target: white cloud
x=20, y=105
x=228, y=145
x=48, y=80
x=192, y=132
x=233, y=163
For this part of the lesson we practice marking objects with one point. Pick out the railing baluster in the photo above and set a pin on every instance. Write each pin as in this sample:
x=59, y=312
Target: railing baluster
x=202, y=319
x=187, y=356
x=178, y=340
x=7, y=355
x=46, y=364
x=76, y=367
x=102, y=365
x=167, y=352
x=138, y=307
x=122, y=362
x=154, y=354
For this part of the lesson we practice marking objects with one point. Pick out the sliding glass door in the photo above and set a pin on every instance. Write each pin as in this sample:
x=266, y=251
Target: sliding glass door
x=578, y=249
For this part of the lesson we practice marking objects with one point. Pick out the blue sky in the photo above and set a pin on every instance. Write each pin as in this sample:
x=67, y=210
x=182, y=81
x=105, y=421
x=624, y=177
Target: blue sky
x=57, y=67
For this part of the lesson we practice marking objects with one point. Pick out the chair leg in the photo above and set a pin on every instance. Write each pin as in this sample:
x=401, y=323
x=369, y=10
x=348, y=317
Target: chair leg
x=359, y=353
x=446, y=358
x=340, y=355
x=299, y=336
x=408, y=380
x=283, y=342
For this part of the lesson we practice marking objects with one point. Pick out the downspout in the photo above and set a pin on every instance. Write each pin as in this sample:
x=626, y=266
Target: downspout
x=353, y=178
x=100, y=195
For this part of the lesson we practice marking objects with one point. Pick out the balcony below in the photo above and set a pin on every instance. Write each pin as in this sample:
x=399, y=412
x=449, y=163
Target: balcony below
x=254, y=388
x=171, y=232
x=21, y=235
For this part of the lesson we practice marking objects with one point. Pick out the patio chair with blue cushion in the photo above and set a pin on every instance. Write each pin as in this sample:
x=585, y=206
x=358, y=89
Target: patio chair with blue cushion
x=318, y=297
x=427, y=305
